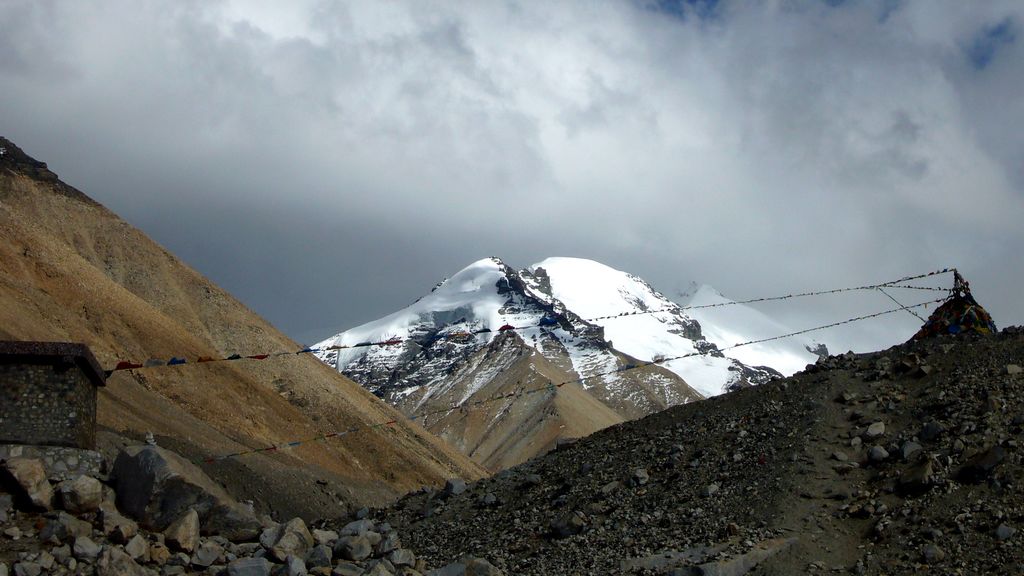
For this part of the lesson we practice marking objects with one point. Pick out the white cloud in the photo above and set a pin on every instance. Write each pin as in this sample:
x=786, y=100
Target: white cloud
x=772, y=147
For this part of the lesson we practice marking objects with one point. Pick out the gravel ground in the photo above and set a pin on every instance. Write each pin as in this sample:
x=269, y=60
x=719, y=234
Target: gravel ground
x=893, y=462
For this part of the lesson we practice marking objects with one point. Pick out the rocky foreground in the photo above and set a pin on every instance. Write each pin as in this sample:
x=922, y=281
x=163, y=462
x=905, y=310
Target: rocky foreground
x=898, y=462
x=166, y=517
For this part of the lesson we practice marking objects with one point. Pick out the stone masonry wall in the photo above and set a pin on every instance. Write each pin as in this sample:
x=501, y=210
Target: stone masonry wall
x=45, y=404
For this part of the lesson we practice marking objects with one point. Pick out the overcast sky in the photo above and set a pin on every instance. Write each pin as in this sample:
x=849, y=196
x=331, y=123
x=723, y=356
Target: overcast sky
x=328, y=162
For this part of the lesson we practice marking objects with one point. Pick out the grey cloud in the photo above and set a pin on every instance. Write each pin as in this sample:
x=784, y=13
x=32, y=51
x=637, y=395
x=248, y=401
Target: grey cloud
x=328, y=162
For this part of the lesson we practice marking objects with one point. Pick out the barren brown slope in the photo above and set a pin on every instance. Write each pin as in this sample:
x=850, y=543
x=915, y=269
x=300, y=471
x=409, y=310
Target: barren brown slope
x=73, y=270
x=503, y=433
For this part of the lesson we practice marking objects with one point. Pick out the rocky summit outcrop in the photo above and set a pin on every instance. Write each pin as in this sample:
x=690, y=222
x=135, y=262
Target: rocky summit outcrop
x=903, y=461
x=74, y=271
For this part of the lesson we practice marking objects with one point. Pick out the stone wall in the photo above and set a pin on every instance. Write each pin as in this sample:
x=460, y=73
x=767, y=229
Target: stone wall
x=47, y=404
x=61, y=463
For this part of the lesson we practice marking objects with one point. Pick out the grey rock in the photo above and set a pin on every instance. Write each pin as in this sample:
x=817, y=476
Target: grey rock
x=1013, y=369
x=207, y=554
x=27, y=569
x=320, y=555
x=610, y=488
x=354, y=548
x=179, y=559
x=640, y=477
x=116, y=562
x=878, y=454
x=380, y=568
x=932, y=554
x=909, y=449
x=85, y=549
x=46, y=560
x=709, y=490
x=249, y=567
x=4, y=571
x=159, y=553
x=875, y=430
x=1004, y=532
x=357, y=528
x=980, y=467
x=183, y=533
x=155, y=486
x=61, y=553
x=64, y=528
x=917, y=478
x=29, y=477
x=294, y=566
x=81, y=494
x=325, y=537
x=390, y=542
x=235, y=523
x=569, y=524
x=931, y=431
x=138, y=548
x=840, y=456
x=454, y=487
x=289, y=539
x=402, y=557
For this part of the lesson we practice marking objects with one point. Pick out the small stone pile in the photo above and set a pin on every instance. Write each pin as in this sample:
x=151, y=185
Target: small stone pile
x=77, y=527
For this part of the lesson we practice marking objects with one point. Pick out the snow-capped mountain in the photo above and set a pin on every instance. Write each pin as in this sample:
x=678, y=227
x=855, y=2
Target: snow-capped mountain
x=467, y=312
x=576, y=322
x=726, y=323
x=640, y=321
x=451, y=350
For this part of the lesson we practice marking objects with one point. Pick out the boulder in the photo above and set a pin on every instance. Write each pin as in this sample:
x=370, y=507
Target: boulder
x=115, y=562
x=454, y=486
x=64, y=528
x=354, y=548
x=289, y=539
x=357, y=528
x=156, y=486
x=325, y=537
x=569, y=524
x=402, y=557
x=81, y=494
x=30, y=482
x=294, y=566
x=86, y=549
x=980, y=467
x=249, y=567
x=115, y=526
x=320, y=555
x=207, y=554
x=183, y=533
x=138, y=548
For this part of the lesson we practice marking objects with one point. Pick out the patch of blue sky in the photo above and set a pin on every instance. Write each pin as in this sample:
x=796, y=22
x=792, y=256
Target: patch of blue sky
x=988, y=41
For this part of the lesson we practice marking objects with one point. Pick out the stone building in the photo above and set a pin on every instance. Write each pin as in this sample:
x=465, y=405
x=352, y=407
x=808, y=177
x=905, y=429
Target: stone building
x=48, y=394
